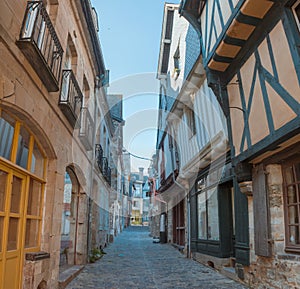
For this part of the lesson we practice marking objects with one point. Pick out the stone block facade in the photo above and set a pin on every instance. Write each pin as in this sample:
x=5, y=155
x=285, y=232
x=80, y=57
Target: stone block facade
x=55, y=145
x=281, y=269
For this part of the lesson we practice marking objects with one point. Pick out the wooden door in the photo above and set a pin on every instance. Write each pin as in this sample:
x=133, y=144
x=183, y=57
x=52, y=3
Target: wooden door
x=12, y=194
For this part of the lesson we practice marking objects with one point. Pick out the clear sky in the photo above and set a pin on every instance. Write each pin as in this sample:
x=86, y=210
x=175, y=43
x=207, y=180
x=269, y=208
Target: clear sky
x=130, y=34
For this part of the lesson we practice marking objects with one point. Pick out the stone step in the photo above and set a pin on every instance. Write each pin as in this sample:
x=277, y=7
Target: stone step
x=68, y=275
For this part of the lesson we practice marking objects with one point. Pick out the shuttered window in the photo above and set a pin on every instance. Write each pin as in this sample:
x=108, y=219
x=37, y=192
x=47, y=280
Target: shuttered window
x=261, y=213
x=291, y=177
x=169, y=25
x=165, y=59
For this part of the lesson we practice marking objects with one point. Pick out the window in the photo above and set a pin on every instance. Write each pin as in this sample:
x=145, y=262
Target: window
x=26, y=168
x=208, y=212
x=291, y=176
x=7, y=128
x=177, y=63
x=296, y=11
x=190, y=121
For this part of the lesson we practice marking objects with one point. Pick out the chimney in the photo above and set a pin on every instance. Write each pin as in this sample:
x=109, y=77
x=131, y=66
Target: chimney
x=141, y=174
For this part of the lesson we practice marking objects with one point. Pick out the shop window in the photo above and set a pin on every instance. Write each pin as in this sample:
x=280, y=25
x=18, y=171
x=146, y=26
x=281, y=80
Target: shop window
x=291, y=173
x=208, y=214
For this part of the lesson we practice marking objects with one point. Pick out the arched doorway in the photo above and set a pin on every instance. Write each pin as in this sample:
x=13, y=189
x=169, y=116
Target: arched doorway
x=69, y=230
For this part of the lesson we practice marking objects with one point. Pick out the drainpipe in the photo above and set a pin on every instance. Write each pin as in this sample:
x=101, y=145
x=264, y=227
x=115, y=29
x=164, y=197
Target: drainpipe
x=76, y=226
x=90, y=202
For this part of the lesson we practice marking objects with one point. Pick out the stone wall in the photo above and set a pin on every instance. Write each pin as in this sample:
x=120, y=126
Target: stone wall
x=30, y=102
x=170, y=226
x=282, y=269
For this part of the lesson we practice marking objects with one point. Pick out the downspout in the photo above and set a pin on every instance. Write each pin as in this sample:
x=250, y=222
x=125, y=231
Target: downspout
x=76, y=225
x=90, y=203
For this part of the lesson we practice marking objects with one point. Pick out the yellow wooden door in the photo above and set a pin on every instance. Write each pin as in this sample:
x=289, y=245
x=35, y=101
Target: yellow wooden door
x=12, y=199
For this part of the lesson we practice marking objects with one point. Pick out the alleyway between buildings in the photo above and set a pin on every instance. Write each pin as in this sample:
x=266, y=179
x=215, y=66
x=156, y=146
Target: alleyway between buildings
x=134, y=261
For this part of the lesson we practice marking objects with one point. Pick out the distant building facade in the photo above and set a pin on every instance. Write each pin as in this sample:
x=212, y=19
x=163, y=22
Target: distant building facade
x=140, y=206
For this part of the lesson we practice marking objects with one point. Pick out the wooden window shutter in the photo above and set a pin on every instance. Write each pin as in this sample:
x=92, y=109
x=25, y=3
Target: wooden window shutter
x=261, y=213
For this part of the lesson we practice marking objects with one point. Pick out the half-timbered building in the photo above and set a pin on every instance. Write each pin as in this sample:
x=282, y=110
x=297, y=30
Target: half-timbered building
x=250, y=52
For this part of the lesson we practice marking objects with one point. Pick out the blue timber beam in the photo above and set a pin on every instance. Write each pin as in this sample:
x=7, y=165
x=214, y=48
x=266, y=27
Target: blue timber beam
x=191, y=11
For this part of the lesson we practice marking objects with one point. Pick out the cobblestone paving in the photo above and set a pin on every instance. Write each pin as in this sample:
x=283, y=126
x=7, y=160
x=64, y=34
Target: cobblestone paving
x=134, y=261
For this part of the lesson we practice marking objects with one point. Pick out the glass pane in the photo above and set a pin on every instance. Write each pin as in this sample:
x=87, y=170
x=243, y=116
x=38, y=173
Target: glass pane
x=1, y=232
x=291, y=194
x=16, y=192
x=23, y=147
x=67, y=189
x=13, y=230
x=3, y=181
x=34, y=198
x=289, y=175
x=293, y=215
x=294, y=235
x=213, y=214
x=202, y=232
x=32, y=230
x=7, y=125
x=37, y=163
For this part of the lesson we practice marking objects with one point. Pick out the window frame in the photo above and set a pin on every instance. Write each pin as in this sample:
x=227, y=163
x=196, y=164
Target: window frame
x=190, y=121
x=289, y=247
x=202, y=188
x=11, y=163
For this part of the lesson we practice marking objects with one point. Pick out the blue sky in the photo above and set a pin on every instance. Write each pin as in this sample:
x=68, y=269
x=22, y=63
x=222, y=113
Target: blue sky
x=130, y=34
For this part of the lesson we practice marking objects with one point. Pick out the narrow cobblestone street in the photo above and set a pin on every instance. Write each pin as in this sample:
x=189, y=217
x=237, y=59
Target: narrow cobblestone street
x=134, y=261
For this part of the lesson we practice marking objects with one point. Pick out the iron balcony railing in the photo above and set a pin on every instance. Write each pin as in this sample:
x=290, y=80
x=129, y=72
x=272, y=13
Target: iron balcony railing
x=40, y=44
x=99, y=155
x=104, y=167
x=108, y=177
x=86, y=128
x=70, y=100
x=102, y=163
